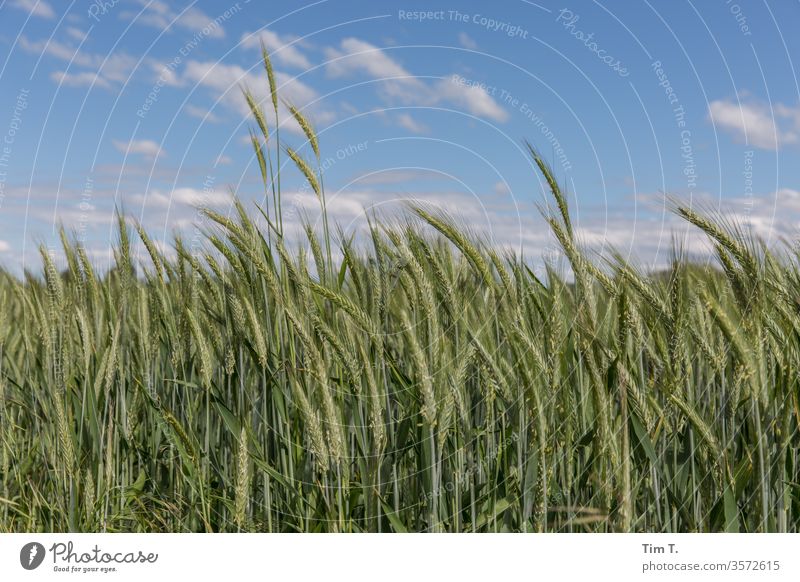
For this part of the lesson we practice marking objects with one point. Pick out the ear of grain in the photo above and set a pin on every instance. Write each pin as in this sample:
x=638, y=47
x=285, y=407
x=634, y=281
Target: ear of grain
x=306, y=170
x=273, y=87
x=242, y=493
x=305, y=125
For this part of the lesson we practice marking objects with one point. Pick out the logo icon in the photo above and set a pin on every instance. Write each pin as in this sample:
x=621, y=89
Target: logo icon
x=31, y=555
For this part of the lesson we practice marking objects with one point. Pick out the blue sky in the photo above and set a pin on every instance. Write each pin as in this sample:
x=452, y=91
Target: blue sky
x=137, y=103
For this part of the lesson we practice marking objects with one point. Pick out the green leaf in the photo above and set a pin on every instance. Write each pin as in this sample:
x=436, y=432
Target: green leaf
x=397, y=525
x=231, y=422
x=731, y=511
x=644, y=439
x=492, y=513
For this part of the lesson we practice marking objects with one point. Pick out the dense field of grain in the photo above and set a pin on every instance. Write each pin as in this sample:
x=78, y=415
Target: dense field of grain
x=421, y=382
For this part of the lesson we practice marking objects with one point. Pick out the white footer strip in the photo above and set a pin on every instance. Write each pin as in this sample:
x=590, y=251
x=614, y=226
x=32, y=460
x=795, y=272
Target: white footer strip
x=409, y=557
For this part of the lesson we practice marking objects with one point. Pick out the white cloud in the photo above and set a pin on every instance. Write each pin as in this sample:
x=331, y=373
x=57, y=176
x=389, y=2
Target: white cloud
x=84, y=79
x=357, y=55
x=4, y=246
x=398, y=84
x=281, y=49
x=754, y=123
x=115, y=67
x=608, y=236
x=159, y=15
x=473, y=98
x=467, y=41
x=408, y=122
x=38, y=8
x=226, y=80
x=144, y=147
x=501, y=188
x=76, y=216
x=166, y=75
x=791, y=113
x=58, y=50
x=76, y=33
x=223, y=161
x=184, y=196
x=201, y=113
